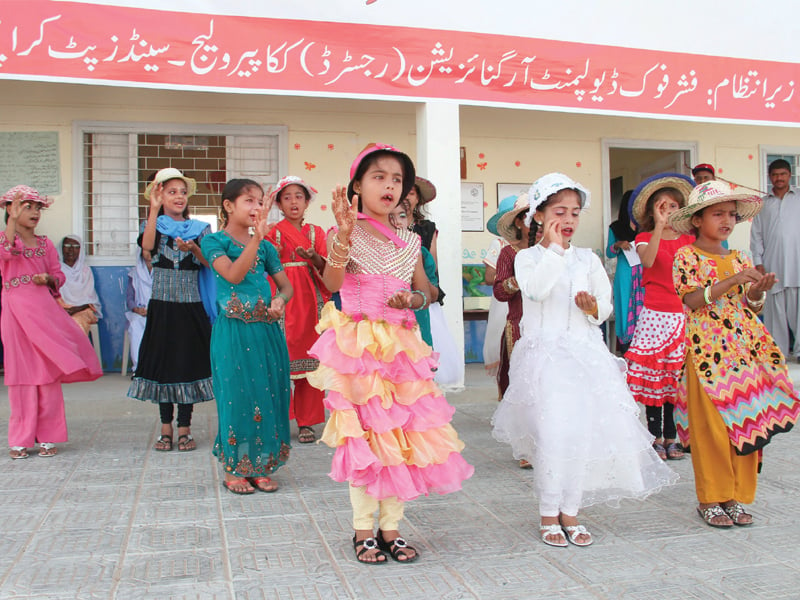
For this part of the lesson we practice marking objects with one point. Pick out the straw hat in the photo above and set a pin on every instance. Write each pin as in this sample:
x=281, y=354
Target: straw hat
x=505, y=224
x=427, y=191
x=28, y=195
x=293, y=180
x=506, y=204
x=165, y=175
x=648, y=187
x=708, y=194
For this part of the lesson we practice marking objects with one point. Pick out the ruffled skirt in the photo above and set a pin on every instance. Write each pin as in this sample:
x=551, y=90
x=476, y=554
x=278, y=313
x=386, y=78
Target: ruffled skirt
x=568, y=411
x=655, y=357
x=389, y=423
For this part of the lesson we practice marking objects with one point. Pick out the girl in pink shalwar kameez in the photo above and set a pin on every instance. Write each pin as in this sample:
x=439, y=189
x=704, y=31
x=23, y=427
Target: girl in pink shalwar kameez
x=44, y=347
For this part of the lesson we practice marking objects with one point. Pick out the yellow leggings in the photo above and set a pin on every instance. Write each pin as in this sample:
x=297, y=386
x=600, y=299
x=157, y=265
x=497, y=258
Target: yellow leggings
x=719, y=473
x=364, y=507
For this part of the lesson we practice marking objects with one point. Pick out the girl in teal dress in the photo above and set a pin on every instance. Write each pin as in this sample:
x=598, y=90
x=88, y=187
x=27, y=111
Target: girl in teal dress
x=249, y=360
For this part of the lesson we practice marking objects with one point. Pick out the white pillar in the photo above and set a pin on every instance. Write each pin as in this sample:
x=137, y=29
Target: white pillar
x=438, y=159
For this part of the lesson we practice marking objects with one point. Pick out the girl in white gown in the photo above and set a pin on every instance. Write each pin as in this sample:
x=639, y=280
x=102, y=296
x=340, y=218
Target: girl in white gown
x=568, y=409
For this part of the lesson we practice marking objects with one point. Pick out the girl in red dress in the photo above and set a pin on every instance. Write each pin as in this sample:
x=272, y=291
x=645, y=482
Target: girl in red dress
x=302, y=248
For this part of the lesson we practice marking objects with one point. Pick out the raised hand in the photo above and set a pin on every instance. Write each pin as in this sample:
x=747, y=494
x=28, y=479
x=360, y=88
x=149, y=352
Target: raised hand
x=552, y=233
x=156, y=197
x=345, y=212
x=15, y=208
x=660, y=214
x=260, y=223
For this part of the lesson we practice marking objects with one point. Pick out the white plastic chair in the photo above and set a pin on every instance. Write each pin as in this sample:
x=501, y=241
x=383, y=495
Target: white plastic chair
x=94, y=332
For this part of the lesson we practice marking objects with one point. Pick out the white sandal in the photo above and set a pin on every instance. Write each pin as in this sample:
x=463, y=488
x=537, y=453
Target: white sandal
x=552, y=529
x=573, y=531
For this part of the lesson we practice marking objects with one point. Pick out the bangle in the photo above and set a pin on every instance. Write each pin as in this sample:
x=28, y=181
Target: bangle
x=756, y=303
x=283, y=296
x=336, y=264
x=337, y=243
x=424, y=298
x=707, y=294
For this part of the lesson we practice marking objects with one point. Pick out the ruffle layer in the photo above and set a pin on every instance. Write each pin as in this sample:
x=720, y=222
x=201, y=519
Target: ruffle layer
x=356, y=335
x=359, y=389
x=428, y=412
x=401, y=368
x=354, y=462
x=394, y=446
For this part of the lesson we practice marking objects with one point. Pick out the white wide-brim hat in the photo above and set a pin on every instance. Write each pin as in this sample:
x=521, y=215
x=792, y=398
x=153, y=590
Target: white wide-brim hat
x=710, y=193
x=550, y=184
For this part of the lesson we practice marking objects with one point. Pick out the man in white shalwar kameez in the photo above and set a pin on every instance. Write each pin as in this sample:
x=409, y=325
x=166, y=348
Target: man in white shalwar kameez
x=775, y=244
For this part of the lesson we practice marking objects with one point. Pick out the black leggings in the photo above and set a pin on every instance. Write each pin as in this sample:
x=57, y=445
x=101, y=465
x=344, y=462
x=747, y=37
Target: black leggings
x=654, y=420
x=184, y=413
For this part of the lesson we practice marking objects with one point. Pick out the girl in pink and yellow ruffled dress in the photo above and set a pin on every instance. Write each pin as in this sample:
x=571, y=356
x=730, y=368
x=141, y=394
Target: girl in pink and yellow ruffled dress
x=389, y=422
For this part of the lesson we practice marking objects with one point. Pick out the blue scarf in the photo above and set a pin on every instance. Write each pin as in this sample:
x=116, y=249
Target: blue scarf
x=188, y=230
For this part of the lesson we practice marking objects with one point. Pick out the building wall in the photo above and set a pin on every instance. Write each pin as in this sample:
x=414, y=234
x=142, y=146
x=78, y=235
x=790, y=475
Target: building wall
x=502, y=145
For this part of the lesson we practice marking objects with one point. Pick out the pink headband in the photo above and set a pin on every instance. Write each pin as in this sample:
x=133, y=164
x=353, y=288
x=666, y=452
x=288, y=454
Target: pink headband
x=27, y=193
x=367, y=151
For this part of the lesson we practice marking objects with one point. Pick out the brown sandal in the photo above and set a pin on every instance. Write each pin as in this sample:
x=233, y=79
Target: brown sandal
x=306, y=435
x=263, y=484
x=239, y=482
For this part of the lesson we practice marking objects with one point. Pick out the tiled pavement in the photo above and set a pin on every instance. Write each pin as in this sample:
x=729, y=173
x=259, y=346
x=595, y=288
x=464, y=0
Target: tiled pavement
x=110, y=518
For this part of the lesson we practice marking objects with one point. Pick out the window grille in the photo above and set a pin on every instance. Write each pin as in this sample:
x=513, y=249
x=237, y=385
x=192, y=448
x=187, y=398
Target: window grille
x=116, y=165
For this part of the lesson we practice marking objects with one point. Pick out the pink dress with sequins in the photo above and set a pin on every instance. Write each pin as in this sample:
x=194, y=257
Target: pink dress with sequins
x=389, y=422
x=42, y=343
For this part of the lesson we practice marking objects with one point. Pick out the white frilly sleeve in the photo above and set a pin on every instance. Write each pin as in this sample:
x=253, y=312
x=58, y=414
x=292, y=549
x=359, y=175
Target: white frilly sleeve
x=600, y=289
x=537, y=269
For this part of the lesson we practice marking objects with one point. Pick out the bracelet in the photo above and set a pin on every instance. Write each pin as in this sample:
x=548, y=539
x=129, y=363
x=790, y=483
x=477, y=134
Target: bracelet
x=339, y=244
x=336, y=264
x=424, y=298
x=756, y=303
x=284, y=297
x=707, y=294
x=340, y=255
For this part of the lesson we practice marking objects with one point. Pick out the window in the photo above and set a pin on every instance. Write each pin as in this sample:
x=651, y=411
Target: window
x=771, y=153
x=117, y=160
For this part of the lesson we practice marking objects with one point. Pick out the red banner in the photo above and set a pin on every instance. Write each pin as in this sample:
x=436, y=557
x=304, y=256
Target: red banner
x=64, y=41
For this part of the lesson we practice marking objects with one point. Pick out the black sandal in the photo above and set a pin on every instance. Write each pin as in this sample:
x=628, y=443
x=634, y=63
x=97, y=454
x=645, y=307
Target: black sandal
x=363, y=546
x=397, y=548
x=166, y=443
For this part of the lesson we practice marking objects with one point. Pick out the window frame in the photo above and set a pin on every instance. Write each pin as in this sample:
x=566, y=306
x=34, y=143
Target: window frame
x=763, y=168
x=79, y=128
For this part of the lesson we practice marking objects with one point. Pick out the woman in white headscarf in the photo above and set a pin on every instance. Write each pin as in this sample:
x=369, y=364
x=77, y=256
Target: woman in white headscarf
x=78, y=296
x=140, y=288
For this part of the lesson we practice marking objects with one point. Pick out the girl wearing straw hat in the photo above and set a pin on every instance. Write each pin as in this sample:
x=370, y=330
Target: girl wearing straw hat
x=498, y=311
x=512, y=228
x=736, y=385
x=655, y=355
x=567, y=391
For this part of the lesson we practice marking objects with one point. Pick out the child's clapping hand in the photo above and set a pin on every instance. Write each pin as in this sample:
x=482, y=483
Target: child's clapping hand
x=276, y=308
x=345, y=212
x=587, y=303
x=400, y=299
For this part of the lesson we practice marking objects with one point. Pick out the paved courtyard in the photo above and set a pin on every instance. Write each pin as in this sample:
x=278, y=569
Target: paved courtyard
x=110, y=518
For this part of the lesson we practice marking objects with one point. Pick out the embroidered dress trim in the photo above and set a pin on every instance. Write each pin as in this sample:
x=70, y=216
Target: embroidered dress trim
x=247, y=312
x=175, y=393
x=17, y=281
x=39, y=251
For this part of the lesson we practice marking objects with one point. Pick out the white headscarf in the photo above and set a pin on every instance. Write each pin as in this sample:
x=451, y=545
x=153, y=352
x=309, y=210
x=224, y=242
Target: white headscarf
x=79, y=287
x=141, y=279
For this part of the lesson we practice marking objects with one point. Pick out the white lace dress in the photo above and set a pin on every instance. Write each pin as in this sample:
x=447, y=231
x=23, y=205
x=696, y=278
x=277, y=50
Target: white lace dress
x=568, y=409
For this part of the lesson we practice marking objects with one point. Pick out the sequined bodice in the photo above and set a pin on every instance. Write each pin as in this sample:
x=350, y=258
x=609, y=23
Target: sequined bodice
x=371, y=256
